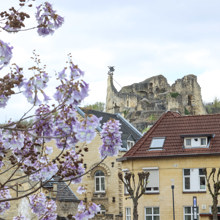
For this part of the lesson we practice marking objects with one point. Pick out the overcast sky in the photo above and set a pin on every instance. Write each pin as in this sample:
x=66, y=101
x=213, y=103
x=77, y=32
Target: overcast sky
x=141, y=38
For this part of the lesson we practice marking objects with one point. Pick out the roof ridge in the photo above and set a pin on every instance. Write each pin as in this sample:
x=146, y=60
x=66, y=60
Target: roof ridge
x=204, y=115
x=85, y=109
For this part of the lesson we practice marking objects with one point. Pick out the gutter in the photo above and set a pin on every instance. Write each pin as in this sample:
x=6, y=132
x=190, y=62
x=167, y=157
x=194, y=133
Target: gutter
x=166, y=156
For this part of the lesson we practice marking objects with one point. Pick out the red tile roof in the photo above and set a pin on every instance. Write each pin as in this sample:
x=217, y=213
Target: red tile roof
x=174, y=127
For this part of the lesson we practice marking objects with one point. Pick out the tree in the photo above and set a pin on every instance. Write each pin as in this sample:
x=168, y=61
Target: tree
x=213, y=183
x=25, y=158
x=99, y=106
x=135, y=192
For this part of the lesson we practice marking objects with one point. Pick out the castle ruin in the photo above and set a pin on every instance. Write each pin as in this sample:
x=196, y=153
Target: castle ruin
x=143, y=103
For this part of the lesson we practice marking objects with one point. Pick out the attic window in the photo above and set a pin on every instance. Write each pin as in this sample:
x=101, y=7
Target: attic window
x=195, y=142
x=157, y=143
x=130, y=144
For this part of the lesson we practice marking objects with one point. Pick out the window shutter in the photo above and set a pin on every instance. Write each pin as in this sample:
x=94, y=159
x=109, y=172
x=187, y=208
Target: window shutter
x=153, y=180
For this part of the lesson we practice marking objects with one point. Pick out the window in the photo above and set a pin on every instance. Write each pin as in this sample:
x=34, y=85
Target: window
x=124, y=173
x=194, y=180
x=187, y=142
x=127, y=213
x=99, y=181
x=102, y=210
x=157, y=143
x=152, y=213
x=210, y=209
x=130, y=144
x=153, y=180
x=188, y=213
x=195, y=142
x=203, y=141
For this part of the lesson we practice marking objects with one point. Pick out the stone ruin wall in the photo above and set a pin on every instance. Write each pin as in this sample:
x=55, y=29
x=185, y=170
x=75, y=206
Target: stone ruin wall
x=143, y=103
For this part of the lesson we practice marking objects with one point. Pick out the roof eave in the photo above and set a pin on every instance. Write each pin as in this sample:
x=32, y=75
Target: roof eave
x=122, y=159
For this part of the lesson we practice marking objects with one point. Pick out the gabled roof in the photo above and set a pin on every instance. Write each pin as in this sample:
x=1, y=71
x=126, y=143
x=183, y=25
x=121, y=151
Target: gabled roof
x=64, y=193
x=174, y=128
x=127, y=129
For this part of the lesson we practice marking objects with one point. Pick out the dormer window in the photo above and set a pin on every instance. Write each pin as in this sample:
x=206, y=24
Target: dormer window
x=191, y=142
x=157, y=143
x=130, y=144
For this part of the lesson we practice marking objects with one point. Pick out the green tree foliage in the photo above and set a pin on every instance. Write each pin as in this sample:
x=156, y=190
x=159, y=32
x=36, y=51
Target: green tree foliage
x=99, y=106
x=213, y=107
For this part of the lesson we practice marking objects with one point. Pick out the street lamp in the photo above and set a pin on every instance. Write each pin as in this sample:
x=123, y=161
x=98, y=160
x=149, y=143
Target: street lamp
x=172, y=187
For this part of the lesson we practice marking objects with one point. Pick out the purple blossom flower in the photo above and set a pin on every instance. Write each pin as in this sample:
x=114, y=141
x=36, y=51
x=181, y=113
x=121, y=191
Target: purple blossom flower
x=62, y=74
x=75, y=72
x=70, y=90
x=44, y=122
x=46, y=171
x=36, y=84
x=86, y=212
x=47, y=19
x=3, y=101
x=5, y=54
x=81, y=190
x=111, y=138
x=85, y=130
x=72, y=167
x=4, y=194
x=43, y=207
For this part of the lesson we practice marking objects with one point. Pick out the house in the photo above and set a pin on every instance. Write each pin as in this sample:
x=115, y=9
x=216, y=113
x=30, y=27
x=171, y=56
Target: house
x=102, y=182
x=66, y=200
x=174, y=151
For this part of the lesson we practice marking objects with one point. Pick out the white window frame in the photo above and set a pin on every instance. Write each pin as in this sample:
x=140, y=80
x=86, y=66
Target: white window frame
x=102, y=210
x=206, y=141
x=127, y=213
x=154, y=173
x=130, y=144
x=101, y=182
x=152, y=215
x=194, y=180
x=191, y=212
x=192, y=142
x=185, y=143
x=125, y=189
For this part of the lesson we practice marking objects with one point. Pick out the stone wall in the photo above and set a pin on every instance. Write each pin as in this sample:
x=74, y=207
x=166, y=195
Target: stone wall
x=143, y=103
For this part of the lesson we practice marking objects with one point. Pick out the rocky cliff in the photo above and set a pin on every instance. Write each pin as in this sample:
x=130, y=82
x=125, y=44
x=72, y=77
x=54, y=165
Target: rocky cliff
x=143, y=103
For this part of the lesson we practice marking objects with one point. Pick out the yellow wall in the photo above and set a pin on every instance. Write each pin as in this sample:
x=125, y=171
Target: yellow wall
x=172, y=169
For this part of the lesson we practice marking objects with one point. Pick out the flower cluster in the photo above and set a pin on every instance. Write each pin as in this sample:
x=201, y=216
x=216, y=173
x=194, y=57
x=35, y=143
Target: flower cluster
x=81, y=190
x=4, y=194
x=48, y=20
x=20, y=217
x=43, y=207
x=23, y=146
x=8, y=83
x=70, y=90
x=71, y=167
x=5, y=54
x=86, y=211
x=44, y=123
x=111, y=138
x=36, y=84
x=85, y=129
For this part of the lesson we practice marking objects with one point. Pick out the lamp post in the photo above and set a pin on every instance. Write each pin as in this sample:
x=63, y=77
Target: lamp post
x=172, y=187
